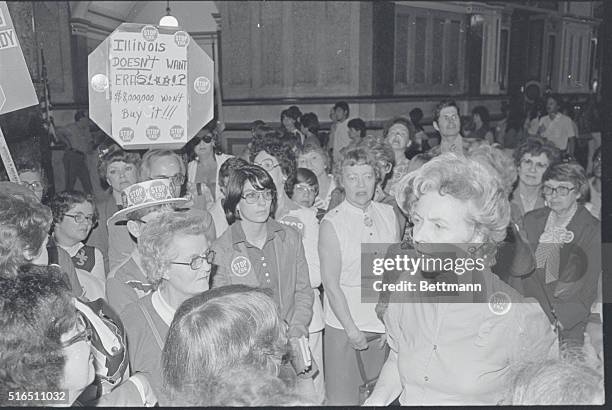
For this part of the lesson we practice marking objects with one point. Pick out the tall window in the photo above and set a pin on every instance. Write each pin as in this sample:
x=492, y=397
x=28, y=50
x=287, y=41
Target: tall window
x=503, y=59
x=429, y=51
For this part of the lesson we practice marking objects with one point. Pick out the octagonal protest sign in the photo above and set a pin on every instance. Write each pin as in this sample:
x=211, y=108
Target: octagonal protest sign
x=150, y=86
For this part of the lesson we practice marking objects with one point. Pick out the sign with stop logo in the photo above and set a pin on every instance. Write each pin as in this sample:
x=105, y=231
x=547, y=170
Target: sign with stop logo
x=150, y=86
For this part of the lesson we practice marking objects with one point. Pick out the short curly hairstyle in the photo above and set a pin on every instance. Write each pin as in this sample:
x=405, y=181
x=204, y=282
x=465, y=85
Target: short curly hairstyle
x=220, y=329
x=63, y=201
x=535, y=146
x=442, y=105
x=572, y=172
x=319, y=150
x=114, y=153
x=361, y=155
x=558, y=381
x=24, y=226
x=157, y=237
x=501, y=163
x=405, y=121
x=464, y=179
x=274, y=146
x=36, y=309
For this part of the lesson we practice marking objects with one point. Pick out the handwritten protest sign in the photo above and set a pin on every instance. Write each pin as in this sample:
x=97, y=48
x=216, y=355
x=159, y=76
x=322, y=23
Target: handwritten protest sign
x=16, y=89
x=150, y=86
x=148, y=76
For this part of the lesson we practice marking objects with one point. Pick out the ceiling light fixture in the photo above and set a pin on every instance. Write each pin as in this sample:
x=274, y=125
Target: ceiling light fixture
x=168, y=20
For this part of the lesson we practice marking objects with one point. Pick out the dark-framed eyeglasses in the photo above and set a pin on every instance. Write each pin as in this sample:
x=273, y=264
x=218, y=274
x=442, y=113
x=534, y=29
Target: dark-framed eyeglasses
x=35, y=185
x=80, y=218
x=561, y=190
x=84, y=332
x=198, y=261
x=267, y=164
x=252, y=197
x=176, y=179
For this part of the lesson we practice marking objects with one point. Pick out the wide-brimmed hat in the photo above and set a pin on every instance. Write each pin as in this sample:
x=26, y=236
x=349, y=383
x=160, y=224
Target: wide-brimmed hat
x=146, y=194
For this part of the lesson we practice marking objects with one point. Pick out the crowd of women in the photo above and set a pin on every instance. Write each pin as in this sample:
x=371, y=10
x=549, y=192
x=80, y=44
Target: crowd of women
x=213, y=280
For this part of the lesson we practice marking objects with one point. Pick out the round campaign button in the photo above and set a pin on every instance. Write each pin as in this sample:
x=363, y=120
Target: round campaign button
x=177, y=132
x=99, y=83
x=241, y=266
x=149, y=32
x=201, y=85
x=181, y=38
x=499, y=303
x=126, y=134
x=153, y=132
x=136, y=195
x=158, y=191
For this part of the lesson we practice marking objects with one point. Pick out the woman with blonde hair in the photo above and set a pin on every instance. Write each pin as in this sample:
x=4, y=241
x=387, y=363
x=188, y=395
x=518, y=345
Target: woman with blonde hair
x=175, y=254
x=457, y=348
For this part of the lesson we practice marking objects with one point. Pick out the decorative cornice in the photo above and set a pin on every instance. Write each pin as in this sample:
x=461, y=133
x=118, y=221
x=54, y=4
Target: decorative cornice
x=82, y=27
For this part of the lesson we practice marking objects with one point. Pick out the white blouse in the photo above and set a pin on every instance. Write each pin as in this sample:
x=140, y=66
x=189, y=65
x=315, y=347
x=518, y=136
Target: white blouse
x=354, y=226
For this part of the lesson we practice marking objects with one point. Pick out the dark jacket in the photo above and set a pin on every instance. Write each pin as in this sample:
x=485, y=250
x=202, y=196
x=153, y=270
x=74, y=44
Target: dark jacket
x=296, y=296
x=579, y=267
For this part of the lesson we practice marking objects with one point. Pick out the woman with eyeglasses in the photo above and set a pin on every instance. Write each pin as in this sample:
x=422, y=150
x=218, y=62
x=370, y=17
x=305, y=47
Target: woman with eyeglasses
x=43, y=339
x=74, y=215
x=176, y=256
x=350, y=324
x=205, y=160
x=277, y=158
x=155, y=164
x=532, y=159
x=31, y=176
x=46, y=343
x=305, y=219
x=566, y=243
x=400, y=134
x=258, y=251
x=317, y=160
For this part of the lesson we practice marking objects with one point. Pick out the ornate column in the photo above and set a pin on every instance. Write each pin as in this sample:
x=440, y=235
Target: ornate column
x=490, y=19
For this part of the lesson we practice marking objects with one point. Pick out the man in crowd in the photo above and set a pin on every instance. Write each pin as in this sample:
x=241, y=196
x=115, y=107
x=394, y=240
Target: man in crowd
x=338, y=135
x=448, y=123
x=557, y=127
x=77, y=138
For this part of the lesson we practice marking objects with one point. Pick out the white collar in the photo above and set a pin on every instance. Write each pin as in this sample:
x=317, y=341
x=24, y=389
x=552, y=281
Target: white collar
x=72, y=250
x=163, y=309
x=358, y=210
